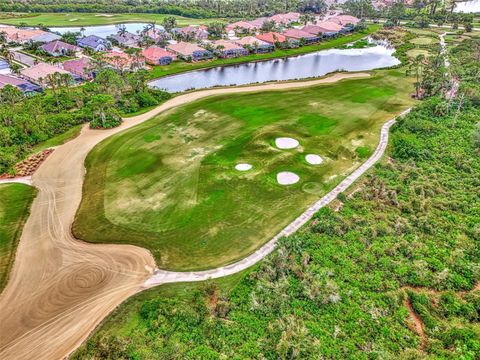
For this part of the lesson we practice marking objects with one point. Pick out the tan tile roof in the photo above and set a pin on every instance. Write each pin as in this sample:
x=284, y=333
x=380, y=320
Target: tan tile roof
x=41, y=70
x=184, y=48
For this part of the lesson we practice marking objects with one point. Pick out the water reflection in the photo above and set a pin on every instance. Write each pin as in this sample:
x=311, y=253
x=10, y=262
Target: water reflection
x=300, y=67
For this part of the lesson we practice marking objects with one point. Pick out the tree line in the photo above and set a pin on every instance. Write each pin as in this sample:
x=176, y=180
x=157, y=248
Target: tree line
x=188, y=8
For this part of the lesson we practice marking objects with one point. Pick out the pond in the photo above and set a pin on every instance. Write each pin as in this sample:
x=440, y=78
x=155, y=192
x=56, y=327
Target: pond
x=468, y=7
x=102, y=30
x=300, y=67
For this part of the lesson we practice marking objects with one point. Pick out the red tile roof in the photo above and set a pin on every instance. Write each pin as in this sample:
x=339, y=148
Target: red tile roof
x=154, y=53
x=298, y=34
x=78, y=66
x=272, y=37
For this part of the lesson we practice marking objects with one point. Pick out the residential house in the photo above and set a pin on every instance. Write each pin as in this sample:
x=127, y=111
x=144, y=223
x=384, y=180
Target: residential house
x=39, y=72
x=192, y=32
x=329, y=28
x=21, y=36
x=59, y=48
x=155, y=55
x=301, y=35
x=255, y=45
x=81, y=68
x=94, y=43
x=46, y=37
x=25, y=86
x=189, y=51
x=158, y=35
x=344, y=20
x=126, y=39
x=313, y=29
x=229, y=49
x=258, y=22
x=122, y=61
x=285, y=19
x=275, y=38
x=240, y=27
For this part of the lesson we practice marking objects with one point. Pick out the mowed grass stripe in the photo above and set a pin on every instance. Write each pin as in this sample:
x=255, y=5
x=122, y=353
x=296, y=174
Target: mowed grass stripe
x=169, y=184
x=15, y=201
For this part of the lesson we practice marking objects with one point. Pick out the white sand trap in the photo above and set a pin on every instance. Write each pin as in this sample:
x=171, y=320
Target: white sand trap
x=243, y=167
x=287, y=178
x=313, y=159
x=286, y=143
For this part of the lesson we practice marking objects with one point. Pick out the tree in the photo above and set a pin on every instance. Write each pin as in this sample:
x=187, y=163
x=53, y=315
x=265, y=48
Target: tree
x=216, y=29
x=306, y=18
x=396, y=12
x=268, y=26
x=476, y=136
x=70, y=37
x=102, y=107
x=468, y=26
x=169, y=23
x=3, y=37
x=417, y=67
x=10, y=95
x=56, y=81
x=359, y=8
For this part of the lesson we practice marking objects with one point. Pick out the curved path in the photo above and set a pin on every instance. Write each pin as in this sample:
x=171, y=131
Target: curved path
x=162, y=276
x=61, y=288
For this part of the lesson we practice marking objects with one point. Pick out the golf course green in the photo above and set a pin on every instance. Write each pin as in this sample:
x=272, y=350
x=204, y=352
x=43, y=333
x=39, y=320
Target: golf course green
x=15, y=201
x=170, y=184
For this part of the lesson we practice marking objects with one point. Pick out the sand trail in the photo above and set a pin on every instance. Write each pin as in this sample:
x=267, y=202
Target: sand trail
x=61, y=288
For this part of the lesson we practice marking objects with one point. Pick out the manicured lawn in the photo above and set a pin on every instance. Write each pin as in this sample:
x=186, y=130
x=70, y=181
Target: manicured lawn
x=169, y=185
x=15, y=200
x=424, y=40
x=182, y=66
x=415, y=52
x=89, y=19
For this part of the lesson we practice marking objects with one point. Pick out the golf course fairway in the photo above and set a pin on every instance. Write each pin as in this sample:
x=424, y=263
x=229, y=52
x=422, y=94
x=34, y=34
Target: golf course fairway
x=170, y=184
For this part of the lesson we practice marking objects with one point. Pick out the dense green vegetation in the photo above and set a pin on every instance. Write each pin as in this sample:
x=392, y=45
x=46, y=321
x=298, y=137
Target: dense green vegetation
x=188, y=8
x=26, y=122
x=15, y=200
x=336, y=288
x=181, y=66
x=170, y=185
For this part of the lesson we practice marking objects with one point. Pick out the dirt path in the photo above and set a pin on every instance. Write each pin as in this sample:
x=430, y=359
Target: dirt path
x=416, y=324
x=61, y=288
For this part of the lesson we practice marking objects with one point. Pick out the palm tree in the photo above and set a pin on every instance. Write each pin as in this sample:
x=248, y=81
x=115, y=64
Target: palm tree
x=122, y=30
x=82, y=31
x=3, y=37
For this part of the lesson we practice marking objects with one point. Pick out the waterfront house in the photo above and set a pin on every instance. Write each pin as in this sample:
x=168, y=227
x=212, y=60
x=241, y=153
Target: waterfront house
x=94, y=43
x=229, y=49
x=189, y=51
x=25, y=86
x=255, y=45
x=329, y=28
x=155, y=55
x=126, y=39
x=344, y=20
x=81, y=67
x=300, y=35
x=59, y=48
x=277, y=39
x=39, y=72
x=20, y=36
x=258, y=22
x=46, y=37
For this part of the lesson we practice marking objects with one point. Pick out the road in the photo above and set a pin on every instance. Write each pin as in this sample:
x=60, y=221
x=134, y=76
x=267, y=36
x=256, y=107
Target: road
x=60, y=288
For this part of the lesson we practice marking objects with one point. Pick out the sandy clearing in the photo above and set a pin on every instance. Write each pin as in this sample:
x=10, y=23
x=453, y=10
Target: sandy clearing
x=243, y=167
x=61, y=288
x=286, y=143
x=313, y=159
x=287, y=178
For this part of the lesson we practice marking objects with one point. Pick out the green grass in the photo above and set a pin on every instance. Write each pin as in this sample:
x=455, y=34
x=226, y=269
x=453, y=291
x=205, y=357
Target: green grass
x=169, y=185
x=59, y=139
x=181, y=66
x=90, y=19
x=15, y=200
x=424, y=40
x=415, y=52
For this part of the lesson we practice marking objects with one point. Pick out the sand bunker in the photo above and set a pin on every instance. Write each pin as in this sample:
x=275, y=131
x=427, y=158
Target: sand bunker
x=243, y=167
x=287, y=178
x=313, y=159
x=286, y=143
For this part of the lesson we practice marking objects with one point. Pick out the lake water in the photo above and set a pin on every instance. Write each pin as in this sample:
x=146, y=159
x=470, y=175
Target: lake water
x=102, y=30
x=300, y=67
x=468, y=7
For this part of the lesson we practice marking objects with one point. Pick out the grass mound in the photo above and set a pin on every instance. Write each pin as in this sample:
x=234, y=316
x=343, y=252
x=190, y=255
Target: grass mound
x=170, y=184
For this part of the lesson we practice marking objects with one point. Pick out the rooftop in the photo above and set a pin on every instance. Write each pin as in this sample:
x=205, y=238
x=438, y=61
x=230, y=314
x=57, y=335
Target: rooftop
x=41, y=70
